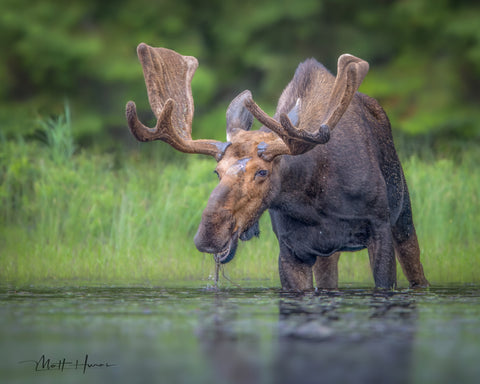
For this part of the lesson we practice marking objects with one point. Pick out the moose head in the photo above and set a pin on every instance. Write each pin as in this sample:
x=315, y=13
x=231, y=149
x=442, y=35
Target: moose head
x=247, y=163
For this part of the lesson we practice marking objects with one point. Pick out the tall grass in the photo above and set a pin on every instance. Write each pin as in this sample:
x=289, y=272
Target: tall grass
x=67, y=215
x=446, y=205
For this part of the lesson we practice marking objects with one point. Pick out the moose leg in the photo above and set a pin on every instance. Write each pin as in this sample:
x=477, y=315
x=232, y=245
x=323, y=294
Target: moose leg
x=407, y=248
x=408, y=254
x=325, y=271
x=382, y=258
x=295, y=275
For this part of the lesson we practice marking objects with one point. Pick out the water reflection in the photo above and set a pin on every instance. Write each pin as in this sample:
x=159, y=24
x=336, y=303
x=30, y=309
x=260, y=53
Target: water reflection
x=230, y=350
x=327, y=337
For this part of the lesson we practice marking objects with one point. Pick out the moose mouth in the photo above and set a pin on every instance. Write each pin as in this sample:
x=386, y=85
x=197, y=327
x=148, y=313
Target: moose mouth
x=228, y=252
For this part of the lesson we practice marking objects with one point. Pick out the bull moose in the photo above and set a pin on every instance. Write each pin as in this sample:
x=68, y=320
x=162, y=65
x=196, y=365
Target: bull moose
x=325, y=167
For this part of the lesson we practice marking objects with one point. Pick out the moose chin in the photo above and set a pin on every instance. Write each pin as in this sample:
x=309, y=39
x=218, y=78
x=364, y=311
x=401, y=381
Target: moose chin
x=324, y=166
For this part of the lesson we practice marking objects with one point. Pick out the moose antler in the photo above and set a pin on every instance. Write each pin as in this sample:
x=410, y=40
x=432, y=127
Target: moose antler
x=168, y=76
x=297, y=140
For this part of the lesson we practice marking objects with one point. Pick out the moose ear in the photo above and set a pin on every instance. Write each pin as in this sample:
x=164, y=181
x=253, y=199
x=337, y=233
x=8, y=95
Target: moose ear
x=238, y=116
x=293, y=114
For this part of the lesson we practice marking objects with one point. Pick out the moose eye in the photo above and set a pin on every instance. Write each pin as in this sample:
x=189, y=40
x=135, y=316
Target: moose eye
x=216, y=173
x=261, y=173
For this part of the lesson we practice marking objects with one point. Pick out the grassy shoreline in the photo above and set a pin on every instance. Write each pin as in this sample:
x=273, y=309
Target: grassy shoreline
x=85, y=216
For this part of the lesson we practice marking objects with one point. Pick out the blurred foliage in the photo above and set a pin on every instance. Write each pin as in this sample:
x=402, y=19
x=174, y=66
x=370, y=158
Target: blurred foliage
x=424, y=57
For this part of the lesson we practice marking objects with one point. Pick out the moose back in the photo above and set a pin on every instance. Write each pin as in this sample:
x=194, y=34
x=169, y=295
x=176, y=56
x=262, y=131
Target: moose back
x=325, y=167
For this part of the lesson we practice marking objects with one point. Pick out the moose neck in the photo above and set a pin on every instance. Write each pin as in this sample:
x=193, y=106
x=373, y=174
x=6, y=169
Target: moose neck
x=296, y=188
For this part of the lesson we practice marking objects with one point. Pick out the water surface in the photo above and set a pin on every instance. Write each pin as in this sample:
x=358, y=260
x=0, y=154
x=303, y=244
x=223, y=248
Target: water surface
x=98, y=334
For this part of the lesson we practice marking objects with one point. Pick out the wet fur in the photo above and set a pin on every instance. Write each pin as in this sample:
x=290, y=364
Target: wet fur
x=346, y=195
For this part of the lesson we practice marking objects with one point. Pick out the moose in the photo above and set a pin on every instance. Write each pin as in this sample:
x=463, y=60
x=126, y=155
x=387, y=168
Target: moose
x=324, y=166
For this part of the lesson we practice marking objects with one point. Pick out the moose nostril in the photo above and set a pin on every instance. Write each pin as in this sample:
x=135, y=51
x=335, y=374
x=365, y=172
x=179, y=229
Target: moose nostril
x=203, y=243
x=198, y=242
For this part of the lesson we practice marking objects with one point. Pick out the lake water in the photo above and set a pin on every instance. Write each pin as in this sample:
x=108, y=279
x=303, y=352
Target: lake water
x=238, y=335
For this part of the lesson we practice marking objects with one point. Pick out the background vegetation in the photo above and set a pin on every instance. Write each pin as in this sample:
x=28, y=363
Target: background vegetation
x=80, y=199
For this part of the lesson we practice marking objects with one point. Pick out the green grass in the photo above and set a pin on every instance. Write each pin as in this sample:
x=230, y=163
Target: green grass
x=446, y=206
x=67, y=216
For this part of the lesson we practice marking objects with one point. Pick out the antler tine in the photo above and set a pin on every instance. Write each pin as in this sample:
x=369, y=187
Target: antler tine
x=163, y=131
x=142, y=132
x=350, y=73
x=263, y=117
x=277, y=147
x=168, y=76
x=294, y=141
